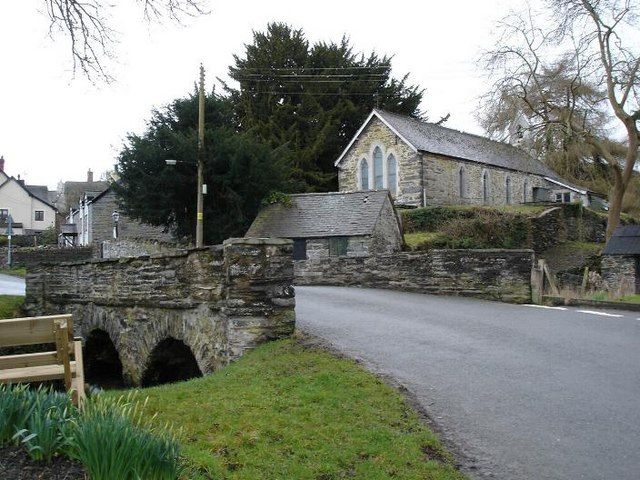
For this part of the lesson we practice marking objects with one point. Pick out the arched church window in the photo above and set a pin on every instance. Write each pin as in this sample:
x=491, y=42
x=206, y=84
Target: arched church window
x=364, y=174
x=485, y=187
x=378, y=172
x=392, y=174
x=461, y=183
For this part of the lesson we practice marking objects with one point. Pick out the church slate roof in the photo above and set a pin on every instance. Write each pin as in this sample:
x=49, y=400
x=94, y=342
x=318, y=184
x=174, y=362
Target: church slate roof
x=624, y=241
x=321, y=215
x=432, y=138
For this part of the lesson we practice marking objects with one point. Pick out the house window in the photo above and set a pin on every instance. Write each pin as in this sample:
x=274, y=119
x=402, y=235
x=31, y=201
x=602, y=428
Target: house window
x=392, y=174
x=507, y=187
x=4, y=215
x=564, y=197
x=461, y=182
x=364, y=174
x=485, y=187
x=39, y=216
x=525, y=191
x=378, y=173
x=299, y=249
x=338, y=246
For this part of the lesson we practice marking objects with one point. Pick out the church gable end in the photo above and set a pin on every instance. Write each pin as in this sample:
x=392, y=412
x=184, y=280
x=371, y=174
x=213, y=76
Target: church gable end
x=380, y=159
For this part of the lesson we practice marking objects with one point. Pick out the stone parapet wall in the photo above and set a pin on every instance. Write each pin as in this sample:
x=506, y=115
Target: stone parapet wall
x=136, y=248
x=29, y=257
x=220, y=301
x=619, y=273
x=492, y=274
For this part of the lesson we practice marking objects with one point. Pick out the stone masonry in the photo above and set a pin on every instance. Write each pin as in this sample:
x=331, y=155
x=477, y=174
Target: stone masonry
x=102, y=223
x=220, y=301
x=493, y=274
x=433, y=179
x=619, y=273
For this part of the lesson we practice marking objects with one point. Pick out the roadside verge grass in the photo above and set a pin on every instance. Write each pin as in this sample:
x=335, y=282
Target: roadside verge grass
x=286, y=410
x=16, y=272
x=10, y=306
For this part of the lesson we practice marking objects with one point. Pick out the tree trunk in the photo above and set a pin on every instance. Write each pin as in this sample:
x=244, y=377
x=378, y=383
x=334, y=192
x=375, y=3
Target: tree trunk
x=615, y=203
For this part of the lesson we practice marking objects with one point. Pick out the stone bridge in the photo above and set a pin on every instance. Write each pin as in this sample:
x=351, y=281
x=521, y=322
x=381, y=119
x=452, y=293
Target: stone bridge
x=150, y=320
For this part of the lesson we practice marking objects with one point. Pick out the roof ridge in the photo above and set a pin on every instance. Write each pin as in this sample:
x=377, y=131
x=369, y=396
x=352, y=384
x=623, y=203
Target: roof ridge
x=349, y=192
x=482, y=137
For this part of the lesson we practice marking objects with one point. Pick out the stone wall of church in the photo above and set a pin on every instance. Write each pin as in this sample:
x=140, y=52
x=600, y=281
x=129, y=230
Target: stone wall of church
x=437, y=174
x=409, y=168
x=442, y=183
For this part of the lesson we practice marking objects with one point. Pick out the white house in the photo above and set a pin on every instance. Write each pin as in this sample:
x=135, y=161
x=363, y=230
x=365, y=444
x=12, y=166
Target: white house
x=28, y=205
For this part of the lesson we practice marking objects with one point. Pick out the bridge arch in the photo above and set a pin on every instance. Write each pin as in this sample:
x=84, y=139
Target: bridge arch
x=102, y=363
x=171, y=360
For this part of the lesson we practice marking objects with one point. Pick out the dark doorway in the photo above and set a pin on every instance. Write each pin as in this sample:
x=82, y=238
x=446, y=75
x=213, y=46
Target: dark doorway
x=171, y=361
x=102, y=364
x=637, y=276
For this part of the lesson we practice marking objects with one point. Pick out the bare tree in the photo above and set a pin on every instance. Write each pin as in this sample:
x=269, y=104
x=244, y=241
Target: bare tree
x=85, y=23
x=574, y=83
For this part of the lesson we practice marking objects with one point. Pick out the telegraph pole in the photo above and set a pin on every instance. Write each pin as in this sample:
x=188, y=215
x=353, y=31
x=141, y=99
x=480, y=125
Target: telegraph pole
x=200, y=214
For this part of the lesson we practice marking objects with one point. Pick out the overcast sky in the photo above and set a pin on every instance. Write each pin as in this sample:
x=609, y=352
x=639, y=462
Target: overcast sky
x=54, y=128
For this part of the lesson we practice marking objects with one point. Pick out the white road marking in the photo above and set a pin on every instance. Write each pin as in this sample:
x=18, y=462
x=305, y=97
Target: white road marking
x=545, y=306
x=603, y=314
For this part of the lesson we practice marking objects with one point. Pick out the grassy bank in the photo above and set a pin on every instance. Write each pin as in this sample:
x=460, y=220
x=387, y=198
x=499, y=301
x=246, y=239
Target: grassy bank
x=16, y=272
x=468, y=226
x=289, y=411
x=10, y=306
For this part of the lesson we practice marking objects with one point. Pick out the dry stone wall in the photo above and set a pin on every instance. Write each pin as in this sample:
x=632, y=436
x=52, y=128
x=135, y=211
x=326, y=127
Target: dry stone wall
x=220, y=301
x=493, y=274
x=31, y=256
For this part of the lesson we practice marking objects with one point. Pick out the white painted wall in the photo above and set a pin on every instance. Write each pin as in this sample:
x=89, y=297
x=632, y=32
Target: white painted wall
x=22, y=207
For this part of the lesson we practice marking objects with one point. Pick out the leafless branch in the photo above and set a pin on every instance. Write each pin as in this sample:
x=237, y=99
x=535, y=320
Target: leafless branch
x=92, y=40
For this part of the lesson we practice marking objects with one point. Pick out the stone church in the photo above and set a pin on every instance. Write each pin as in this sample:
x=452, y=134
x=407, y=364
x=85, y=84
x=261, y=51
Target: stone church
x=423, y=164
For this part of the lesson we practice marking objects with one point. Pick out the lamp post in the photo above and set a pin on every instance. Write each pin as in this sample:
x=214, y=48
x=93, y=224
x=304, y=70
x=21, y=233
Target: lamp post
x=116, y=218
x=200, y=212
x=9, y=235
x=202, y=188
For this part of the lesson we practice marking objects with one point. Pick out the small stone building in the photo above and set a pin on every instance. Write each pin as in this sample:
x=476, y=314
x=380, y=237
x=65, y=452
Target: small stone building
x=621, y=260
x=423, y=164
x=323, y=225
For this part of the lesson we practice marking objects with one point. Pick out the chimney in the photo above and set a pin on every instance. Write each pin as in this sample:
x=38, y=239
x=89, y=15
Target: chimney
x=1, y=164
x=90, y=176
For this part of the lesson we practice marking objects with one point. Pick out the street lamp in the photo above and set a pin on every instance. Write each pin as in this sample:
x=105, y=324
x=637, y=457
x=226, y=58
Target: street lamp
x=9, y=235
x=116, y=218
x=202, y=188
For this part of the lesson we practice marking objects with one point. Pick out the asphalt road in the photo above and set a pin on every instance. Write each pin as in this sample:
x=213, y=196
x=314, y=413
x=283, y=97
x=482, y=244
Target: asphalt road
x=10, y=285
x=523, y=392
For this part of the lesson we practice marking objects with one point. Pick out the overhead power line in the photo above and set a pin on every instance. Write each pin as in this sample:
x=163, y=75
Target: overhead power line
x=316, y=75
x=288, y=69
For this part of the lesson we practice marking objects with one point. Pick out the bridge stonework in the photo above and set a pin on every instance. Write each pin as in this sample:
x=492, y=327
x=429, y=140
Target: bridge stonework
x=220, y=301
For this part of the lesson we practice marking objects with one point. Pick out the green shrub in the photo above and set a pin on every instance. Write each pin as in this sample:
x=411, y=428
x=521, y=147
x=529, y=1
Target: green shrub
x=432, y=218
x=112, y=441
x=487, y=230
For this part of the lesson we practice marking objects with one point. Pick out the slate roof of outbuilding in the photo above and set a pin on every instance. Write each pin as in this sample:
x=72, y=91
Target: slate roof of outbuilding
x=321, y=215
x=624, y=241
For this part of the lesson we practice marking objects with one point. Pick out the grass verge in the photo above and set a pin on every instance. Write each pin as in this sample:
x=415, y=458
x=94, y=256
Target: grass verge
x=16, y=272
x=10, y=306
x=290, y=411
x=630, y=298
